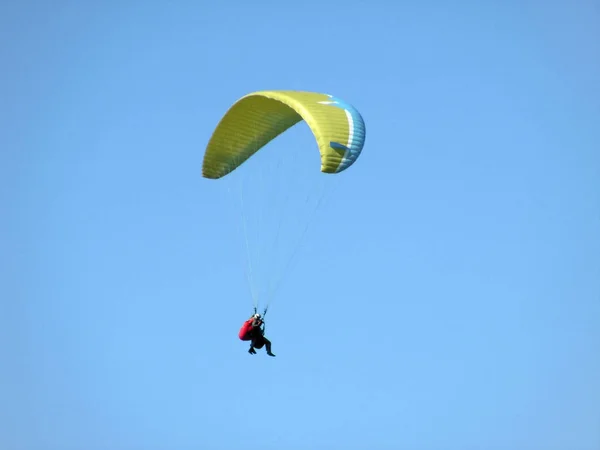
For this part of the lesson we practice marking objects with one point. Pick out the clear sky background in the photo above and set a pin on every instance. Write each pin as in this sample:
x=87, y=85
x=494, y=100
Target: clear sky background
x=447, y=296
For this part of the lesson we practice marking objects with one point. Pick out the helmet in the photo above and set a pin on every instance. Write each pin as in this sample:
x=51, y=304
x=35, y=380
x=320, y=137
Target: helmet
x=257, y=316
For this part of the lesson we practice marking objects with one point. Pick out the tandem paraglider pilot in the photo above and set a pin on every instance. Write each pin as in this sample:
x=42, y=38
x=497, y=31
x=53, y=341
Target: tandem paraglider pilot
x=253, y=331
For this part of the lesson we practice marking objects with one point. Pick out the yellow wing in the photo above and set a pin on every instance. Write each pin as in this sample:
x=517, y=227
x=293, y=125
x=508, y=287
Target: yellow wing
x=259, y=117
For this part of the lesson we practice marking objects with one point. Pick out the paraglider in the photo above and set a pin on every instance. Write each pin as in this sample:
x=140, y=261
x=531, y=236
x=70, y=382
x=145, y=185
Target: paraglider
x=253, y=330
x=258, y=118
x=249, y=125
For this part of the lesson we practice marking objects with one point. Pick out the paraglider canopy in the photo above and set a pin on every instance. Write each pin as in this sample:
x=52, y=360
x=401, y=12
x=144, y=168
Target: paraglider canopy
x=259, y=117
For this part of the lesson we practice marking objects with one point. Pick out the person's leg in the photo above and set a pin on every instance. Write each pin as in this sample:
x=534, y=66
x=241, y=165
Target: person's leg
x=268, y=346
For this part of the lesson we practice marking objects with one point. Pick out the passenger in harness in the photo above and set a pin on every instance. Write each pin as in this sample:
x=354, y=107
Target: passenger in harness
x=253, y=330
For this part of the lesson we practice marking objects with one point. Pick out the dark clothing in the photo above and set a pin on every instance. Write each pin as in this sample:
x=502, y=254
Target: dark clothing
x=251, y=331
x=260, y=341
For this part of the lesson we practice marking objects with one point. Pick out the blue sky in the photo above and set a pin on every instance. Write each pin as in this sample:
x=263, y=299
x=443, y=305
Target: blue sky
x=446, y=296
